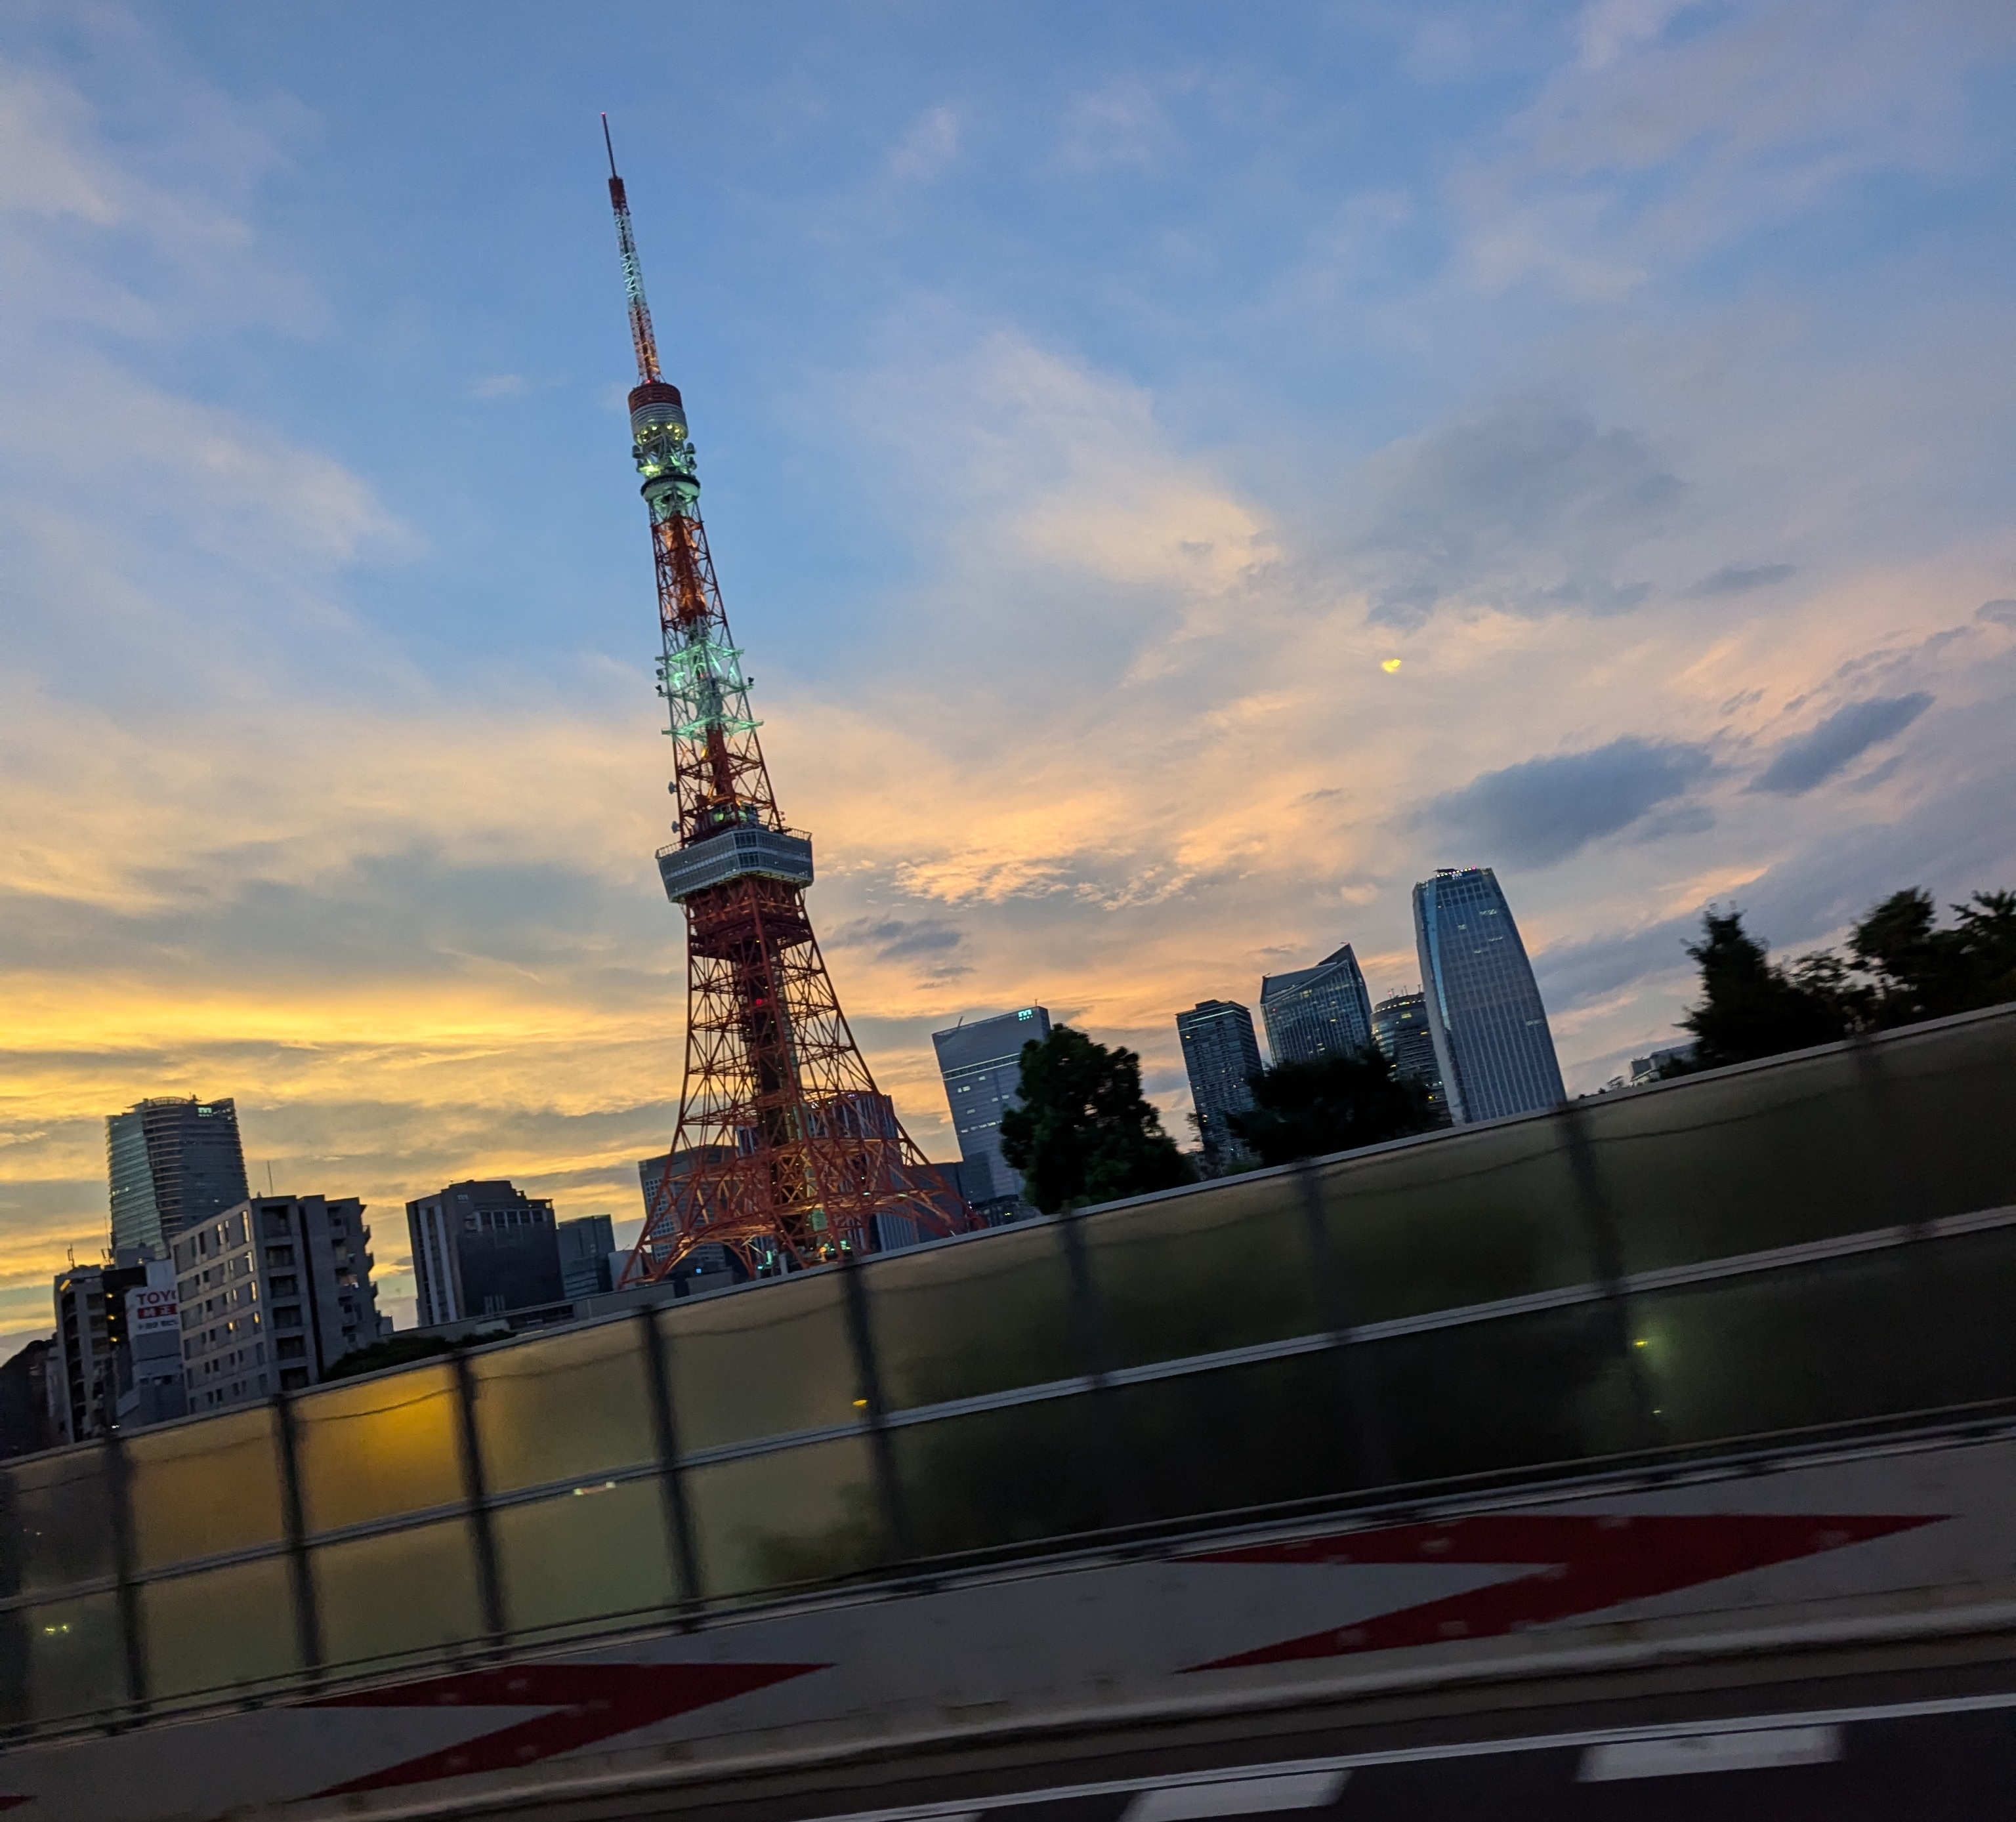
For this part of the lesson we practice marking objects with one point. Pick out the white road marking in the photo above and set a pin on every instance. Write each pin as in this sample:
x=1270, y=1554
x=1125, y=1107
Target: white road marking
x=1678, y=1754
x=979, y=1808
x=1236, y=1796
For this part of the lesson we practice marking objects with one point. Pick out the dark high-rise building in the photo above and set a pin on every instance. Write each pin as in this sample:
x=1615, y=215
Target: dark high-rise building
x=91, y=1323
x=1400, y=1029
x=273, y=1293
x=480, y=1248
x=1221, y=1055
x=1318, y=1011
x=25, y=1403
x=661, y=1179
x=585, y=1244
x=1493, y=1045
x=172, y=1162
x=981, y=1065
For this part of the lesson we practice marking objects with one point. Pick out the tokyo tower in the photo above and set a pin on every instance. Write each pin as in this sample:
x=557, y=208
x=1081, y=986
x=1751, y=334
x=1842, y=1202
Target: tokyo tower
x=785, y=1152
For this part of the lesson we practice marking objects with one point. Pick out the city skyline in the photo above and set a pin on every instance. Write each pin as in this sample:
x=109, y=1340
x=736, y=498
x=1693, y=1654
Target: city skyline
x=1181, y=483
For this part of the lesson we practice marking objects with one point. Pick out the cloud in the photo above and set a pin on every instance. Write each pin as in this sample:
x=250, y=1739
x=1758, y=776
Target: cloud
x=1543, y=810
x=1122, y=123
x=1610, y=29
x=1811, y=758
x=1737, y=579
x=931, y=145
x=499, y=386
x=1653, y=150
x=2001, y=612
x=894, y=939
x=1531, y=508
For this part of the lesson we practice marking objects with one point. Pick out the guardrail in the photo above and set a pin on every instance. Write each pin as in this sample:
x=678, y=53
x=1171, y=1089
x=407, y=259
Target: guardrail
x=1826, y=1239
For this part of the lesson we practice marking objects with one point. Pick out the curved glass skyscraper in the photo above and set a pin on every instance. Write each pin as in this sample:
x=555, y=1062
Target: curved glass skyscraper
x=1490, y=1030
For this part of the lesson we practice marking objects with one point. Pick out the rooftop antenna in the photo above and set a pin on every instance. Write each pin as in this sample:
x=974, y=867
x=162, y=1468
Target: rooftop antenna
x=642, y=336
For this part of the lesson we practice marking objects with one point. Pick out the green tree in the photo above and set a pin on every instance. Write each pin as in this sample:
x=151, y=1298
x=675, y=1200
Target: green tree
x=1918, y=970
x=1081, y=1131
x=1333, y=1104
x=1754, y=1007
x=1900, y=967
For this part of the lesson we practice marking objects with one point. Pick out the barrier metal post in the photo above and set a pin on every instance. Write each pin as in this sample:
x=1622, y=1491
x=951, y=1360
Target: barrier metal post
x=867, y=1387
x=1109, y=1445
x=671, y=1473
x=1606, y=1253
x=489, y=1585
x=125, y=1556
x=1334, y=1308
x=300, y=1576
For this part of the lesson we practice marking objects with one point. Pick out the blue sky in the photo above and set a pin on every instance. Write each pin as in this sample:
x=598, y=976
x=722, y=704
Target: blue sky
x=1092, y=401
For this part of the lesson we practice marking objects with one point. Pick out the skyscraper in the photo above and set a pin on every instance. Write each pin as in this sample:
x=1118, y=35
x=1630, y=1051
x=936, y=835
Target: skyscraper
x=173, y=1160
x=1318, y=1011
x=1400, y=1027
x=481, y=1247
x=273, y=1293
x=1493, y=1045
x=1222, y=1054
x=585, y=1244
x=981, y=1064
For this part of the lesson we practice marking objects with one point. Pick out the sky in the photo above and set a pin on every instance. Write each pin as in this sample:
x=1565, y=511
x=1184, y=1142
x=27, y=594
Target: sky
x=1180, y=473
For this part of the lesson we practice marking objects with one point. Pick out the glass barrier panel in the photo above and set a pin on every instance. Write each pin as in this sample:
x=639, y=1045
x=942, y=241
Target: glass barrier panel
x=1519, y=1391
x=1238, y=1437
x=1944, y=1096
x=1707, y=1168
x=55, y=1520
x=1469, y=1217
x=990, y=1314
x=761, y=1362
x=1000, y=1477
x=802, y=1515
x=379, y=1447
x=564, y=1406
x=74, y=1657
x=222, y=1630
x=397, y=1593
x=1220, y=1268
x=206, y=1488
x=1908, y=1329
x=593, y=1554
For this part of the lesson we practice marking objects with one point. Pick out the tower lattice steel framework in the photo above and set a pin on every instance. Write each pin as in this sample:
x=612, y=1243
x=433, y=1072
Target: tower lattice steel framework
x=785, y=1151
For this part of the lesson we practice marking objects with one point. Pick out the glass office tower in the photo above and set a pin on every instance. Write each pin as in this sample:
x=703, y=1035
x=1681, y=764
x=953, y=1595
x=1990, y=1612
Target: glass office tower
x=1318, y=1011
x=173, y=1161
x=1221, y=1055
x=1402, y=1029
x=981, y=1064
x=1491, y=1041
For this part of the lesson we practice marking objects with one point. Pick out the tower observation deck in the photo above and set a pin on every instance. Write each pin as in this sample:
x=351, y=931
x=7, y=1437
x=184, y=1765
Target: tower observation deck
x=794, y=1153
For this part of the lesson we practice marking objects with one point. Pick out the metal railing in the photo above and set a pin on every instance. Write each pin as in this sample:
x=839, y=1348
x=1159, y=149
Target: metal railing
x=1828, y=1239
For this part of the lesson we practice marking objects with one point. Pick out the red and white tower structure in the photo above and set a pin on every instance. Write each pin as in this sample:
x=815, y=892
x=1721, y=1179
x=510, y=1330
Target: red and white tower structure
x=785, y=1152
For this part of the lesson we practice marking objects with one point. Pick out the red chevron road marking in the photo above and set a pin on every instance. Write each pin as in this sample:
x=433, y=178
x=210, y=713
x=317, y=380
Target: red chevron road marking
x=1582, y=1565
x=590, y=1702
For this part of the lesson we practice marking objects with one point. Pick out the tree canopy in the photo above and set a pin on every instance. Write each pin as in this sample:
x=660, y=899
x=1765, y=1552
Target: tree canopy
x=1333, y=1104
x=1081, y=1131
x=1901, y=967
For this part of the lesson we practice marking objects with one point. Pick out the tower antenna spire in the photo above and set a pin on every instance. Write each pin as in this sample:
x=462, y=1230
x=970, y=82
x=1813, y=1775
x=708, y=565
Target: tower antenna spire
x=642, y=337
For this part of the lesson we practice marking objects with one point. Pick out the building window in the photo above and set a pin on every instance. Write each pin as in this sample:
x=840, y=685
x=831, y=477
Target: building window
x=291, y=1347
